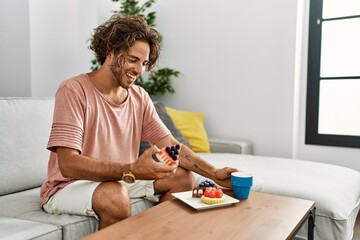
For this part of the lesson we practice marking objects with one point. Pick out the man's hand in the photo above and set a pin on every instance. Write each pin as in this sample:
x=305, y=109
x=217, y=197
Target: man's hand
x=146, y=168
x=222, y=176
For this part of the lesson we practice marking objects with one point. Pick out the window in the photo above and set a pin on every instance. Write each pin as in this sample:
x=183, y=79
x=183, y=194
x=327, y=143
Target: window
x=333, y=84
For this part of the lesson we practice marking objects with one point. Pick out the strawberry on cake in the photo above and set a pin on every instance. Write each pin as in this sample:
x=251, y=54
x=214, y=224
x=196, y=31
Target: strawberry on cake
x=199, y=190
x=213, y=195
x=208, y=192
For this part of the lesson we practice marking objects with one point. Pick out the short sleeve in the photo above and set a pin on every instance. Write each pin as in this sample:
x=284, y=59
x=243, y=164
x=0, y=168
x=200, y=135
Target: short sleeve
x=68, y=121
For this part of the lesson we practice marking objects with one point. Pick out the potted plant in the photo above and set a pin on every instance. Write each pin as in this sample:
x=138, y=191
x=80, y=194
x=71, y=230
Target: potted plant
x=158, y=82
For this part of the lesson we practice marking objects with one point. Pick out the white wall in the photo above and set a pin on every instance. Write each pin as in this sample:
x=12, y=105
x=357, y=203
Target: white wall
x=59, y=31
x=42, y=43
x=14, y=48
x=237, y=60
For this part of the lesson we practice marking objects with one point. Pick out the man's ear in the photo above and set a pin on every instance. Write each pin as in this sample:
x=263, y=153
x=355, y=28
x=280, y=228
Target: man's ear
x=110, y=54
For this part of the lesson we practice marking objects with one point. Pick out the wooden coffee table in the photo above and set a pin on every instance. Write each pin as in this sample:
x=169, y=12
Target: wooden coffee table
x=262, y=216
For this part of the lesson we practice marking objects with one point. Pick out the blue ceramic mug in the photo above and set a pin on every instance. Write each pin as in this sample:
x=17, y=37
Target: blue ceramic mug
x=241, y=182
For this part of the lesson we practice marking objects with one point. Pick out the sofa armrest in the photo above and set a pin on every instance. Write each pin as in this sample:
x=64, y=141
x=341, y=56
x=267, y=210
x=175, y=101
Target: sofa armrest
x=218, y=145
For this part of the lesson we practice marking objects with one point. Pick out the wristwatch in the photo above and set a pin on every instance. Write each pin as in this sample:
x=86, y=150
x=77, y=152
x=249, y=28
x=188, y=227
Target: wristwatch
x=128, y=177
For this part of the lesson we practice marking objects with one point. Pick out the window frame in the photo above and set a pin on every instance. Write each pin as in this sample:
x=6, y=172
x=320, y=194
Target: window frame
x=313, y=84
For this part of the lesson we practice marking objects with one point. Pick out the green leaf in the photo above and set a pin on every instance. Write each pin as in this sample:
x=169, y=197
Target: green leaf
x=159, y=82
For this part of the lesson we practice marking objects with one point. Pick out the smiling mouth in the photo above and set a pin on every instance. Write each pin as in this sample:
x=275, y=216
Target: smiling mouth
x=132, y=77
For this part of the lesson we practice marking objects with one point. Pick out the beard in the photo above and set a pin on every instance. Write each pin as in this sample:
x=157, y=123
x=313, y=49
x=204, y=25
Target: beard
x=120, y=75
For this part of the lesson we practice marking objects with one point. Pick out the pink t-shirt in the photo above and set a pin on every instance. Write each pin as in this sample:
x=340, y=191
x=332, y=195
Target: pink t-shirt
x=98, y=128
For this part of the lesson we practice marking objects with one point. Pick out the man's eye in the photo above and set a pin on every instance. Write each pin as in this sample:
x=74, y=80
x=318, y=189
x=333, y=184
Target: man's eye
x=132, y=60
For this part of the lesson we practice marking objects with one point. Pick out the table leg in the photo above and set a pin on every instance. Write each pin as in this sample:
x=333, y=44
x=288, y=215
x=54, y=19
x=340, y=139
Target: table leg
x=311, y=224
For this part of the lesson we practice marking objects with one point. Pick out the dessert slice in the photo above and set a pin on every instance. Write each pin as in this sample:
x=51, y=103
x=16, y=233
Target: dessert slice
x=167, y=155
x=199, y=191
x=213, y=196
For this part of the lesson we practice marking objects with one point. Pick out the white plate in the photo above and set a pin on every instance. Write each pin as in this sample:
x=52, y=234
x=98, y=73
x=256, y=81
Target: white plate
x=196, y=203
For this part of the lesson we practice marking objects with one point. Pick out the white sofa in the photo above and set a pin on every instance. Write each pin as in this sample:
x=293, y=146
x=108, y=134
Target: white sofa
x=24, y=130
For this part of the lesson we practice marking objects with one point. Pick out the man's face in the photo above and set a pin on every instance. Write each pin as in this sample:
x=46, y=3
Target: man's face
x=135, y=61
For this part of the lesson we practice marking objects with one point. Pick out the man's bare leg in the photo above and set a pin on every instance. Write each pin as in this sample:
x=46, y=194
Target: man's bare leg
x=183, y=180
x=111, y=203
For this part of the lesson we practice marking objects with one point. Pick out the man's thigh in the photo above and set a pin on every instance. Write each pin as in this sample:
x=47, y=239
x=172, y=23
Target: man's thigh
x=75, y=198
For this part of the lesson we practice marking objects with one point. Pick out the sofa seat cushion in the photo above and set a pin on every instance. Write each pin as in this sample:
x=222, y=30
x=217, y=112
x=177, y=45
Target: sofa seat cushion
x=334, y=189
x=25, y=205
x=12, y=228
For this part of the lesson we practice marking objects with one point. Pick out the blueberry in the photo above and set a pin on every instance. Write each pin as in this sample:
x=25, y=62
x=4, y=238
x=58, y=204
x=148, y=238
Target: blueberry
x=177, y=146
x=167, y=149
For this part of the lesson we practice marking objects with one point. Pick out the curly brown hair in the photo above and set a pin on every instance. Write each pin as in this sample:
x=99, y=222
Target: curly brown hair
x=119, y=33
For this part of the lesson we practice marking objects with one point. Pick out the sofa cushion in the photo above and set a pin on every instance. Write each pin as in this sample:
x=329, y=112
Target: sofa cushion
x=25, y=205
x=12, y=228
x=191, y=125
x=161, y=111
x=25, y=125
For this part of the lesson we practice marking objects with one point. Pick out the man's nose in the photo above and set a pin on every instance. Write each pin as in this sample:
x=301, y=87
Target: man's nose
x=139, y=68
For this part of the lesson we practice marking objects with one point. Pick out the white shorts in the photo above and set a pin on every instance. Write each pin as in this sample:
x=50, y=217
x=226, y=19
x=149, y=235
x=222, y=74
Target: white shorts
x=76, y=198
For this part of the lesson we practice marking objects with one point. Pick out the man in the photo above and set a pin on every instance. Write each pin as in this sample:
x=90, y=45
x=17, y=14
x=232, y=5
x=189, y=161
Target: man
x=100, y=118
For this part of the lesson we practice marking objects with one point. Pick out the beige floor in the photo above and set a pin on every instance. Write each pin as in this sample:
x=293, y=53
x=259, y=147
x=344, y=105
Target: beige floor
x=357, y=228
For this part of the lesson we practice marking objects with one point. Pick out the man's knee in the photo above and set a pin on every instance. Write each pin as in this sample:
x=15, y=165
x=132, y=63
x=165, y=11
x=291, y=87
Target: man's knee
x=185, y=178
x=111, y=201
